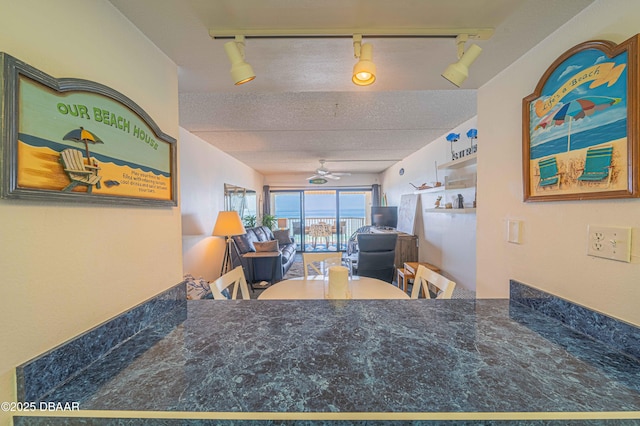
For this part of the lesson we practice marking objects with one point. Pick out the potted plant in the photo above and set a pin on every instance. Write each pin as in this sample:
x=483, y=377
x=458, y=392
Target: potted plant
x=249, y=221
x=269, y=221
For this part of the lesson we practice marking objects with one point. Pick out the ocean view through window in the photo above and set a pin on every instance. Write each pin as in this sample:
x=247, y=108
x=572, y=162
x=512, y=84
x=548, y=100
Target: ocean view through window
x=322, y=220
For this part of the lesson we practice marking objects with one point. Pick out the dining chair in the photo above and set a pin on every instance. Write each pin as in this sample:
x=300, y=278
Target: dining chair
x=425, y=276
x=314, y=261
x=234, y=277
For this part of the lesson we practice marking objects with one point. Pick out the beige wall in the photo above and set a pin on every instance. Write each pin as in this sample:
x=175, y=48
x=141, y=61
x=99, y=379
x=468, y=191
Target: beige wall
x=67, y=267
x=553, y=254
x=445, y=240
x=204, y=170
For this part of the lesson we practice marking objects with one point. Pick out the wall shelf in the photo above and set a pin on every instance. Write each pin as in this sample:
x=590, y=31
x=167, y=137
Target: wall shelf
x=429, y=190
x=460, y=162
x=452, y=211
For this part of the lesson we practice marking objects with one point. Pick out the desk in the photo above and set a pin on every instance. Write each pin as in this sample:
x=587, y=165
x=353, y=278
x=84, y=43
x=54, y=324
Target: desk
x=406, y=246
x=313, y=288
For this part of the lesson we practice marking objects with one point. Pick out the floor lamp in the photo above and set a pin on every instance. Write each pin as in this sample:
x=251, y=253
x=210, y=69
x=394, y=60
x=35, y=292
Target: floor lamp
x=227, y=225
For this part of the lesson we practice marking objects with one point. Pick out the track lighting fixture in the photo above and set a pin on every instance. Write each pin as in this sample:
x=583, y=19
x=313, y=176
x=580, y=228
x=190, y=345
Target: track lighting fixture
x=241, y=72
x=458, y=72
x=364, y=71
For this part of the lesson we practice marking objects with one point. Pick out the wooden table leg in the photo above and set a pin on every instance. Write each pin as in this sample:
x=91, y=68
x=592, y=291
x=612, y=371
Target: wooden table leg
x=403, y=279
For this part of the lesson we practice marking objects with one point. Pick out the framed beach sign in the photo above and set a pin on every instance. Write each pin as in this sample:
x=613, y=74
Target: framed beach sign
x=580, y=126
x=77, y=140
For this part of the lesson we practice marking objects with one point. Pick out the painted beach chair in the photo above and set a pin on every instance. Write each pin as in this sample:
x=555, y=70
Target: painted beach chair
x=597, y=165
x=549, y=174
x=80, y=173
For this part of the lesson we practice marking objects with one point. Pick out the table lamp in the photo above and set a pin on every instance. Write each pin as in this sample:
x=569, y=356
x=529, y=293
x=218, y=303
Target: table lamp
x=227, y=225
x=282, y=223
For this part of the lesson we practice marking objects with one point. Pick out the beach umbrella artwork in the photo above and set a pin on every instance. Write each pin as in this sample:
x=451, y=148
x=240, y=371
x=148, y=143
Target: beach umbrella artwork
x=84, y=136
x=576, y=110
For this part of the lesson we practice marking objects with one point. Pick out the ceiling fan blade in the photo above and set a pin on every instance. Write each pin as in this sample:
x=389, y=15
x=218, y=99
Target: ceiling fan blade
x=331, y=176
x=341, y=173
x=313, y=177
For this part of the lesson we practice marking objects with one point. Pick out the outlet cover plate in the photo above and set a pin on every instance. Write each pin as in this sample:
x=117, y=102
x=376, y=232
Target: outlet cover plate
x=609, y=242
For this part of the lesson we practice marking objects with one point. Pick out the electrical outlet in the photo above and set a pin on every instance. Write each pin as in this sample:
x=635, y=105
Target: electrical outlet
x=609, y=242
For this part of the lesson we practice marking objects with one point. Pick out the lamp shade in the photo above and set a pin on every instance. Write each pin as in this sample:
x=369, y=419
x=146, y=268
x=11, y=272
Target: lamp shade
x=228, y=223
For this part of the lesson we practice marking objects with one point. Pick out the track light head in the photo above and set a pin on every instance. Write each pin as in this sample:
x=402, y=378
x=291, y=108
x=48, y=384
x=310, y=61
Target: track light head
x=364, y=71
x=458, y=72
x=241, y=72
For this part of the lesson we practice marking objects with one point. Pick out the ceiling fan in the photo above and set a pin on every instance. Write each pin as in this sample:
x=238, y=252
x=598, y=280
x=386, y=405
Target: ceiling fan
x=322, y=173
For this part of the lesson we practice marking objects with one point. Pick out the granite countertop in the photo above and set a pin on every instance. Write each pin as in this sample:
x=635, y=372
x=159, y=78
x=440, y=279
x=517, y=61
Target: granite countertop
x=359, y=356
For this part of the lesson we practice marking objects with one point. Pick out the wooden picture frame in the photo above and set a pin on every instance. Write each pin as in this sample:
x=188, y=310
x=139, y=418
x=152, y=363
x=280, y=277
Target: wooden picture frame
x=580, y=125
x=77, y=140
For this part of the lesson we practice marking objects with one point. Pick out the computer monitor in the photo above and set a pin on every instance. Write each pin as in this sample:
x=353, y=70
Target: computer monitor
x=384, y=216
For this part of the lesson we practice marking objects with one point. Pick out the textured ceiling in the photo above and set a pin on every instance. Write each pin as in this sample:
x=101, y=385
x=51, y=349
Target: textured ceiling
x=302, y=106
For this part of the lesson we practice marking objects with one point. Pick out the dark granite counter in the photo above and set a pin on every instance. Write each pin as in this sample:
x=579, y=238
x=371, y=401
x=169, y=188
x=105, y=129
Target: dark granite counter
x=391, y=356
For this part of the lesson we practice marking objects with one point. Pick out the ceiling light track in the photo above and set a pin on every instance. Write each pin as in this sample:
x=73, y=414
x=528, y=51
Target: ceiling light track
x=472, y=33
x=364, y=71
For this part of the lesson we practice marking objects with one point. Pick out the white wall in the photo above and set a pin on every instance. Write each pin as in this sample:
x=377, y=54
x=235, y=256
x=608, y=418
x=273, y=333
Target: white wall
x=446, y=240
x=67, y=267
x=204, y=170
x=553, y=254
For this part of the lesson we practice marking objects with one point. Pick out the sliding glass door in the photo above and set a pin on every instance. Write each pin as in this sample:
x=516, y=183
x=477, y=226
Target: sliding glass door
x=320, y=211
x=354, y=209
x=322, y=220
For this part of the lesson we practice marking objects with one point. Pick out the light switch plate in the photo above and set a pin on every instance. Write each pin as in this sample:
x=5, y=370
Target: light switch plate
x=609, y=242
x=514, y=231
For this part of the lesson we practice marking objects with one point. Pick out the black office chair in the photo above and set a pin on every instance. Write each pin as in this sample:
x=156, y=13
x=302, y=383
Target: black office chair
x=377, y=255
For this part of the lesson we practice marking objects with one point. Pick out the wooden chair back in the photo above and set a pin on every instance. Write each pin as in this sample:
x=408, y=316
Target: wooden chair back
x=313, y=261
x=425, y=277
x=235, y=278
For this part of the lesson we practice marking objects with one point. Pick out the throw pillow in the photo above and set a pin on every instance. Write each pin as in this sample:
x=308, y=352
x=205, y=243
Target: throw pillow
x=265, y=246
x=244, y=243
x=197, y=289
x=283, y=236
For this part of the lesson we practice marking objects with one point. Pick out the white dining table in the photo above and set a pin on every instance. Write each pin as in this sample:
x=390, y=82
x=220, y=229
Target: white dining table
x=313, y=287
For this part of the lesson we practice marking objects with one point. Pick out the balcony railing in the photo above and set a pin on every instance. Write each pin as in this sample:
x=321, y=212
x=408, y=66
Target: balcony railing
x=322, y=233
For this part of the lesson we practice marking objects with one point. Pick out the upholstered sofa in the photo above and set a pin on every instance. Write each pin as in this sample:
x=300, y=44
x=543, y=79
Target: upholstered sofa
x=263, y=267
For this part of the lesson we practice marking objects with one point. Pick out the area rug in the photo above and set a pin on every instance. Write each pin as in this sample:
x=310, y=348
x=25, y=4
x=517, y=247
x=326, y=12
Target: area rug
x=296, y=269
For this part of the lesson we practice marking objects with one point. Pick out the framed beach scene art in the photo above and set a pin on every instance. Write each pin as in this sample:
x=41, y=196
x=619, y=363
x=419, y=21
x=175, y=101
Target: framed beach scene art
x=580, y=126
x=66, y=139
